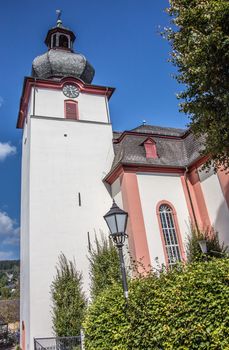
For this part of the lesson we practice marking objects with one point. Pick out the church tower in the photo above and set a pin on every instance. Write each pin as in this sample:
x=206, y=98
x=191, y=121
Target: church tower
x=66, y=152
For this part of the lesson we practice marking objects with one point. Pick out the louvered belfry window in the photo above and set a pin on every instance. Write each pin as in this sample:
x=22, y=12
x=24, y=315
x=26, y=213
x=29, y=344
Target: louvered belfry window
x=169, y=234
x=71, y=110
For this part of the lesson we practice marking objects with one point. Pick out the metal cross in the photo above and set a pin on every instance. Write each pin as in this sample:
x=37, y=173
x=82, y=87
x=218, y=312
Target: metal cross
x=58, y=13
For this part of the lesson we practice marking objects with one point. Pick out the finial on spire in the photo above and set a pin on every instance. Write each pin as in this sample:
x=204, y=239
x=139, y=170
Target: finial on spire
x=58, y=22
x=144, y=122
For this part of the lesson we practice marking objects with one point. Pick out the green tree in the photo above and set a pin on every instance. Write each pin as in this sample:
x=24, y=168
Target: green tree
x=200, y=41
x=104, y=266
x=69, y=301
x=5, y=293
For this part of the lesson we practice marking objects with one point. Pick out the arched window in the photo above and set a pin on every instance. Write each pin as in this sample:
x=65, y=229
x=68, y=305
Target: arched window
x=54, y=40
x=170, y=233
x=71, y=109
x=63, y=41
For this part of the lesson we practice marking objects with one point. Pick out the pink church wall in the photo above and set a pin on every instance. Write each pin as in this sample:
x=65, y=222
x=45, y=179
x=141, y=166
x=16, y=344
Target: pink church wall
x=136, y=226
x=197, y=198
x=224, y=183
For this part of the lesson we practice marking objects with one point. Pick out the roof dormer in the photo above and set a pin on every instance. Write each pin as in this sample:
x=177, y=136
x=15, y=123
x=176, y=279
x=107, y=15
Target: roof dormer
x=150, y=148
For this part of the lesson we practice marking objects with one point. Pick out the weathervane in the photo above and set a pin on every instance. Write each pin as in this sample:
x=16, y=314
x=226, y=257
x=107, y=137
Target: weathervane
x=58, y=22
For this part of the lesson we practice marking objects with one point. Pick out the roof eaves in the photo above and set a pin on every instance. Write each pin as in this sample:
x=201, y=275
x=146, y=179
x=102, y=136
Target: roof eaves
x=134, y=133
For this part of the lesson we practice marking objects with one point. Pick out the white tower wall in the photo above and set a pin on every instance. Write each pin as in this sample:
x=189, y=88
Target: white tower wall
x=50, y=103
x=24, y=235
x=61, y=159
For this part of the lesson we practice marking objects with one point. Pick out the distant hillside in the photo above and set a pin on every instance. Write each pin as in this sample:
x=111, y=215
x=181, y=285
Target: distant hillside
x=9, y=265
x=9, y=279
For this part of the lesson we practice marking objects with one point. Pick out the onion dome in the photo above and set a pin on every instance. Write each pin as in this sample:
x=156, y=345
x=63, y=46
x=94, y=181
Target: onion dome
x=61, y=61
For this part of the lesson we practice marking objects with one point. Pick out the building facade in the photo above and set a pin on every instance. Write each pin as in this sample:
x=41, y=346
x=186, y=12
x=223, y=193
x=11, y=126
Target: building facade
x=73, y=164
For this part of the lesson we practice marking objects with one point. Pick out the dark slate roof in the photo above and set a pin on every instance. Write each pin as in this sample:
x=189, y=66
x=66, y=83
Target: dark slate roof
x=175, y=147
x=62, y=63
x=193, y=147
x=160, y=130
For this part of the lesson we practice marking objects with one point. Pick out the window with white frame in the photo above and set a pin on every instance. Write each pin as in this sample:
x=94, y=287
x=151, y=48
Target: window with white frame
x=169, y=234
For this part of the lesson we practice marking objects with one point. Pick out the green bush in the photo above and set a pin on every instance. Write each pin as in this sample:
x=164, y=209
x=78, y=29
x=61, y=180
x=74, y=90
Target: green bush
x=69, y=301
x=106, y=323
x=185, y=308
x=104, y=266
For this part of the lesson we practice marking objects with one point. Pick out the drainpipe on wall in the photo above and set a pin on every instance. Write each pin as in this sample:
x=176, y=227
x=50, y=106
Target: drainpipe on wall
x=34, y=95
x=107, y=108
x=190, y=199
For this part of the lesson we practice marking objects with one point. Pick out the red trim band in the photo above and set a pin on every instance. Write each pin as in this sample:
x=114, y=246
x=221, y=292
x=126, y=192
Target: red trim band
x=136, y=226
x=134, y=168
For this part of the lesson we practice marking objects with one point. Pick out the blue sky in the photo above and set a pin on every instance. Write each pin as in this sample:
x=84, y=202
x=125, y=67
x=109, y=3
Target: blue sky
x=121, y=40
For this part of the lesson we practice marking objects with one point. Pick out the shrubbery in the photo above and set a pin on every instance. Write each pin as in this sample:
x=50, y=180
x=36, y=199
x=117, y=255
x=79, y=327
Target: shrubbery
x=104, y=266
x=185, y=308
x=69, y=302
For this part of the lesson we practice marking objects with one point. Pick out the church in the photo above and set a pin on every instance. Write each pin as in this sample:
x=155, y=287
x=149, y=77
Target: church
x=74, y=164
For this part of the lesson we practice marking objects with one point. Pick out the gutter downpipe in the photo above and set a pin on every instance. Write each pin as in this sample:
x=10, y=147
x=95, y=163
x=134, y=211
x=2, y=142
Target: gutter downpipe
x=107, y=108
x=34, y=95
x=190, y=199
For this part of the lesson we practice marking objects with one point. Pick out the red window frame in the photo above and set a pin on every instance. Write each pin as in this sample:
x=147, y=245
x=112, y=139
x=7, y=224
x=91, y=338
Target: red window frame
x=71, y=110
x=150, y=148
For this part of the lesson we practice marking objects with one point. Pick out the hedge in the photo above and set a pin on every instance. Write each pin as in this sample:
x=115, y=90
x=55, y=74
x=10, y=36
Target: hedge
x=68, y=299
x=185, y=308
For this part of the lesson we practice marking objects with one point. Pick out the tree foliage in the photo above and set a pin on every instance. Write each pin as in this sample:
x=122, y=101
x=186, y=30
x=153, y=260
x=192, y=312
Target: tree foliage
x=68, y=299
x=200, y=40
x=9, y=279
x=9, y=265
x=184, y=308
x=104, y=266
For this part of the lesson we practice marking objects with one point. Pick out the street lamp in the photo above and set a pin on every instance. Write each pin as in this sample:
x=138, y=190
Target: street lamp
x=203, y=246
x=116, y=220
x=204, y=249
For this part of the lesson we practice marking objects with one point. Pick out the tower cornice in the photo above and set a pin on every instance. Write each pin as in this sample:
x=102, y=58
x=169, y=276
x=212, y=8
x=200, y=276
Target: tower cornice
x=30, y=82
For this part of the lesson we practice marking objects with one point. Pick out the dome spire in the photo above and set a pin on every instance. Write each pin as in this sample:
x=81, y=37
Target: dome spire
x=60, y=60
x=58, y=22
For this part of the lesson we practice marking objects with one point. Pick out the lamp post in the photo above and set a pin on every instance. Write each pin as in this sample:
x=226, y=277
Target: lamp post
x=116, y=220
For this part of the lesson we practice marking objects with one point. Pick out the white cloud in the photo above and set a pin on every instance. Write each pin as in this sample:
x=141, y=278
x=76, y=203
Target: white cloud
x=14, y=240
x=9, y=231
x=6, y=223
x=1, y=101
x=6, y=149
x=6, y=255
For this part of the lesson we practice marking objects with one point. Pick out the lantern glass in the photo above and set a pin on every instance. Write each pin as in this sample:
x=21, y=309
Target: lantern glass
x=111, y=222
x=203, y=246
x=121, y=222
x=116, y=220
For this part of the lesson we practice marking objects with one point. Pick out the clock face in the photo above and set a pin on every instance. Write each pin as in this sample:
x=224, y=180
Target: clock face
x=70, y=91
